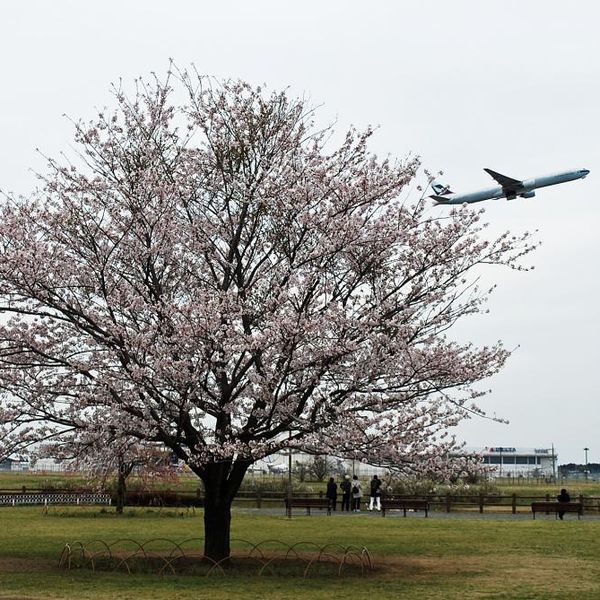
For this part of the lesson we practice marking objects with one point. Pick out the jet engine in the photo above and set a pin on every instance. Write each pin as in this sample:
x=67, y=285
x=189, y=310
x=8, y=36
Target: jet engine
x=530, y=194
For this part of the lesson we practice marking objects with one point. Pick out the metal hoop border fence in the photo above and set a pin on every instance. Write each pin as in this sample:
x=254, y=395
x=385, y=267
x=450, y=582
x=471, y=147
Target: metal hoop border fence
x=87, y=555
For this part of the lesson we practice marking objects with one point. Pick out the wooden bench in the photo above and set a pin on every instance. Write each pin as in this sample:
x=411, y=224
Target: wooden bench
x=557, y=507
x=404, y=505
x=308, y=503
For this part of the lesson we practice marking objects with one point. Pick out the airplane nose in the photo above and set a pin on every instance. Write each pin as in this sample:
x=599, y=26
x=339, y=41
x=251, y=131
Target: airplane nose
x=584, y=172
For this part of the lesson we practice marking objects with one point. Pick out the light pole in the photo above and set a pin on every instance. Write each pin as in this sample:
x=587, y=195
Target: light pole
x=289, y=490
x=586, y=461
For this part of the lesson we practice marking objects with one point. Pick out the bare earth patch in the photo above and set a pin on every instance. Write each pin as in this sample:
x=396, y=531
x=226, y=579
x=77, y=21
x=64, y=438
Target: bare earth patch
x=496, y=572
x=25, y=565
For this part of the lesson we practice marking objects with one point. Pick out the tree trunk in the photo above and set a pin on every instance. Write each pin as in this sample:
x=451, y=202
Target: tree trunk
x=221, y=483
x=121, y=490
x=123, y=472
x=217, y=530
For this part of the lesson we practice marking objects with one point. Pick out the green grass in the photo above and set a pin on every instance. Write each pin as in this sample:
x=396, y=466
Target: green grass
x=35, y=481
x=415, y=557
x=575, y=487
x=188, y=482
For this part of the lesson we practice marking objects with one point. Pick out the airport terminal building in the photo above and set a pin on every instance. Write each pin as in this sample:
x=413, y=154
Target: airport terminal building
x=507, y=461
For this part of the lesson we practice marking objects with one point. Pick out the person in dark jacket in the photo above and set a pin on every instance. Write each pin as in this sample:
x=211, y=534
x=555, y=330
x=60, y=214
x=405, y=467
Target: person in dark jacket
x=332, y=493
x=563, y=497
x=356, y=493
x=345, y=487
x=375, y=495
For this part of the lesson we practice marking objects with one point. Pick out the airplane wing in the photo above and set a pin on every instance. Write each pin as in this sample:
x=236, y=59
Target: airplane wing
x=507, y=183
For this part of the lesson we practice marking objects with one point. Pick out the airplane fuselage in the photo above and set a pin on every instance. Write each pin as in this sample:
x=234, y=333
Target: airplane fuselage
x=525, y=188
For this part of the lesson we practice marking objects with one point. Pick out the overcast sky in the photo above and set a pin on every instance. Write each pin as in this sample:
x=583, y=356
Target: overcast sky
x=509, y=85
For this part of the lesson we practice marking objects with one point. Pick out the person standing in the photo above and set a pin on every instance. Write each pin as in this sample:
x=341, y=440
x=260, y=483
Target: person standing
x=356, y=494
x=375, y=495
x=563, y=497
x=345, y=486
x=331, y=493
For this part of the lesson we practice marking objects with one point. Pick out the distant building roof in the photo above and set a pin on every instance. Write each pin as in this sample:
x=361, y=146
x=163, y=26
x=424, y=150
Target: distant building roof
x=512, y=450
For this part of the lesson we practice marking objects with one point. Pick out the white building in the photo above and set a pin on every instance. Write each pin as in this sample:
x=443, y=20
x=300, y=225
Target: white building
x=509, y=461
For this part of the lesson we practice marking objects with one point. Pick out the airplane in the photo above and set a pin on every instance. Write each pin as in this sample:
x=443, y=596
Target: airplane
x=509, y=188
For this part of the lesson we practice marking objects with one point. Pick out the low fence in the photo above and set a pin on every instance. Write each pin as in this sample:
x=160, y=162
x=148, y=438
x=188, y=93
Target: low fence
x=511, y=503
x=499, y=503
x=11, y=498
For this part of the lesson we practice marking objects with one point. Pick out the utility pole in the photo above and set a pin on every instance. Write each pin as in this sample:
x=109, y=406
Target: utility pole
x=289, y=490
x=586, y=461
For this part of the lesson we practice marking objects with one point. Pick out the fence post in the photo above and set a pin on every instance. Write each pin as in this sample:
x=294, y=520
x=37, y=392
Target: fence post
x=581, y=501
x=547, y=500
x=448, y=501
x=514, y=504
x=481, y=497
x=258, y=500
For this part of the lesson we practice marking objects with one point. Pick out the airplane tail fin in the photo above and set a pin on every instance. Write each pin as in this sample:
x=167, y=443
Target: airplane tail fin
x=441, y=189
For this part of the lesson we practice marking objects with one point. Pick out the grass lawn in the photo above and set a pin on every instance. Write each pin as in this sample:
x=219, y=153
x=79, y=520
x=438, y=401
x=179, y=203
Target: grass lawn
x=575, y=487
x=188, y=482
x=35, y=481
x=435, y=558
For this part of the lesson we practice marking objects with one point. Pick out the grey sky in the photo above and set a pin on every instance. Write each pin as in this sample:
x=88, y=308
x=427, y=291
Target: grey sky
x=514, y=86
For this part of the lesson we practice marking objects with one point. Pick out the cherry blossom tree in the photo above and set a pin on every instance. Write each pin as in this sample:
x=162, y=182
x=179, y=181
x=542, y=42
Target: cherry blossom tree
x=217, y=276
x=108, y=456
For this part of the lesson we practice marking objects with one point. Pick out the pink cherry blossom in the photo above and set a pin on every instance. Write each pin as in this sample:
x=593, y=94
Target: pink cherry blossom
x=217, y=278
